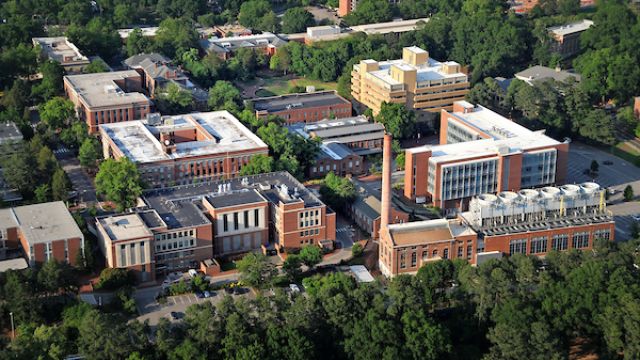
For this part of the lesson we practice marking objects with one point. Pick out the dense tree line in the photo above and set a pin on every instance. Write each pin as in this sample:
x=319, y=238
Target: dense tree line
x=513, y=308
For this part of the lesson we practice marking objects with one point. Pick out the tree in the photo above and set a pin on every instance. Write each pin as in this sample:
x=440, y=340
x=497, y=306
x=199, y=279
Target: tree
x=252, y=12
x=57, y=112
x=55, y=275
x=96, y=66
x=60, y=185
x=258, y=164
x=370, y=11
x=89, y=153
x=256, y=270
x=115, y=278
x=398, y=121
x=20, y=171
x=173, y=99
x=337, y=191
x=224, y=96
x=51, y=84
x=137, y=43
x=280, y=61
x=594, y=166
x=356, y=250
x=98, y=37
x=296, y=20
x=291, y=267
x=628, y=193
x=176, y=36
x=119, y=181
x=310, y=255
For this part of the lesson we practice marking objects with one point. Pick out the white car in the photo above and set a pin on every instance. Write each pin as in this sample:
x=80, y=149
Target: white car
x=193, y=273
x=294, y=288
x=636, y=217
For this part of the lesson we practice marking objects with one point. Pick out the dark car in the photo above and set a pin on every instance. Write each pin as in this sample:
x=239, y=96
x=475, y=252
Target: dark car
x=608, y=162
x=228, y=290
x=175, y=315
x=199, y=295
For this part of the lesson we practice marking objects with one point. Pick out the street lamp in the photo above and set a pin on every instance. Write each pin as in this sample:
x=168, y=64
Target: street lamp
x=13, y=329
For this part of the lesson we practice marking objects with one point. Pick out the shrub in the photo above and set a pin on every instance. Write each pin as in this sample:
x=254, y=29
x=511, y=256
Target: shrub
x=356, y=250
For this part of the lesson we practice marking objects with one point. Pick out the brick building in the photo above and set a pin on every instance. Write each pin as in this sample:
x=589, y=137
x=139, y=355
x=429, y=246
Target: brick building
x=481, y=152
x=531, y=222
x=105, y=98
x=42, y=232
x=181, y=149
x=567, y=37
x=303, y=107
x=345, y=144
x=179, y=227
x=421, y=83
x=225, y=48
x=158, y=72
x=63, y=51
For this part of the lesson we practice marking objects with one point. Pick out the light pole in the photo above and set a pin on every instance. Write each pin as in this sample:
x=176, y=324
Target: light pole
x=13, y=329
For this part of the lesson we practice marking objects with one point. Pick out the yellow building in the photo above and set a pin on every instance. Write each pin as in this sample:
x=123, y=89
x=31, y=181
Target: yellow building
x=423, y=84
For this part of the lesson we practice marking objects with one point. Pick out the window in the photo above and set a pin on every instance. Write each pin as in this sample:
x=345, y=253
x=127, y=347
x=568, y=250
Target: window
x=66, y=250
x=235, y=221
x=142, y=254
x=48, y=252
x=132, y=253
x=256, y=218
x=460, y=250
x=469, y=252
x=425, y=255
x=560, y=242
x=434, y=253
x=580, y=240
x=414, y=259
x=538, y=245
x=518, y=246
x=445, y=254
x=225, y=222
x=402, y=264
x=301, y=233
x=246, y=219
x=123, y=255
x=602, y=235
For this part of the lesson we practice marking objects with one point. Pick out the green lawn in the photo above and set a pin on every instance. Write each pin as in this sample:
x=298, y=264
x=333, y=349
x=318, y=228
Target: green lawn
x=279, y=86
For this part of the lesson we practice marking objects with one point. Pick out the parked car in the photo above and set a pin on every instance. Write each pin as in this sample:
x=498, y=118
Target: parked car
x=608, y=162
x=207, y=294
x=199, y=295
x=175, y=315
x=193, y=273
x=636, y=217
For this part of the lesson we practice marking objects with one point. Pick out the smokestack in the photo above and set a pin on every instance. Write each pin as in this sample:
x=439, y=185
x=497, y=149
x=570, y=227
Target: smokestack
x=386, y=182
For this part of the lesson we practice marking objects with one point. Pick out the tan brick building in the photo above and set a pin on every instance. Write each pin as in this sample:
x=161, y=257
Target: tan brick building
x=42, y=231
x=421, y=83
x=106, y=98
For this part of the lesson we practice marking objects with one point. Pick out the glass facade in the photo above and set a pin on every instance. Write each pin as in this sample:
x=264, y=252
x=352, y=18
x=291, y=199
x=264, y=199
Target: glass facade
x=465, y=180
x=538, y=168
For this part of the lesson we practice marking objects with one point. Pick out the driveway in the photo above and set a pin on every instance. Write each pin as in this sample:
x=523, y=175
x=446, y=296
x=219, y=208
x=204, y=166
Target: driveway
x=81, y=182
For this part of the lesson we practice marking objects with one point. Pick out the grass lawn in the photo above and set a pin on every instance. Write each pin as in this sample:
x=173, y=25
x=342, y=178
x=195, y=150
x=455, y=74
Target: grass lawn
x=627, y=152
x=279, y=86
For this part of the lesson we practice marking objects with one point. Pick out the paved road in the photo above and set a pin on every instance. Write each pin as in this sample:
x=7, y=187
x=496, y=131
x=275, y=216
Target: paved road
x=81, y=182
x=623, y=215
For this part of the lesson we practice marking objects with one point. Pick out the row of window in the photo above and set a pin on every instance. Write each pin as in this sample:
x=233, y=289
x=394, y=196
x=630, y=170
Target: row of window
x=309, y=232
x=435, y=254
x=560, y=242
x=226, y=224
x=129, y=258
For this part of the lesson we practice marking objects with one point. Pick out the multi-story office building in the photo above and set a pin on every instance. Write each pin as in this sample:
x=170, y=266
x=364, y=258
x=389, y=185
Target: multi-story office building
x=529, y=222
x=567, y=37
x=481, y=152
x=178, y=227
x=105, y=98
x=60, y=49
x=421, y=83
x=303, y=107
x=183, y=149
x=43, y=232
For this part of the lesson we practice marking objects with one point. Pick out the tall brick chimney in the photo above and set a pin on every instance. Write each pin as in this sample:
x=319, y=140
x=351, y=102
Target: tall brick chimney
x=386, y=183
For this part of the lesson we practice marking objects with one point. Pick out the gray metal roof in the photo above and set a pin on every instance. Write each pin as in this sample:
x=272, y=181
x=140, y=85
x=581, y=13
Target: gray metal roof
x=536, y=73
x=244, y=196
x=135, y=60
x=298, y=101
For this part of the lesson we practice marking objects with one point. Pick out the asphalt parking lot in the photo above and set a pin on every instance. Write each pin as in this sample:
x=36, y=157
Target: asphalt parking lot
x=616, y=175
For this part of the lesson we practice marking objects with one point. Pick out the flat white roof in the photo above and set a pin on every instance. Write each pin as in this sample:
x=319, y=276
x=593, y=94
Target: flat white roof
x=100, y=89
x=125, y=227
x=506, y=135
x=361, y=273
x=139, y=141
x=146, y=31
x=571, y=28
x=60, y=49
x=431, y=70
x=40, y=223
x=389, y=27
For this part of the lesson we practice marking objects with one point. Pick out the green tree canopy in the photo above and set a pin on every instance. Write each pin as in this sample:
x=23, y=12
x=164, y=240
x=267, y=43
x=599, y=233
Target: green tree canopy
x=337, y=191
x=119, y=181
x=398, y=121
x=296, y=20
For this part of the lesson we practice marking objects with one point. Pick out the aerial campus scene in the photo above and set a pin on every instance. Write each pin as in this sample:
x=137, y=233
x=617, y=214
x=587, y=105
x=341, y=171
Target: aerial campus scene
x=319, y=179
